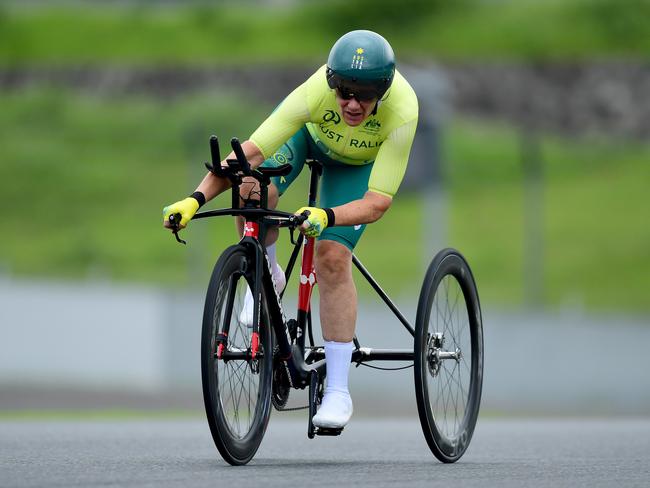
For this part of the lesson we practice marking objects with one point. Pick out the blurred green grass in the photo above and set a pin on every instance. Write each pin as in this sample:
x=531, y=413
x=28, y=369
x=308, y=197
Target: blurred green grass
x=596, y=237
x=241, y=34
x=97, y=172
x=85, y=179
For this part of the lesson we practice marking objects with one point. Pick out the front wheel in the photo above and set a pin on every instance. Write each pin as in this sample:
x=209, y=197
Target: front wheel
x=448, y=356
x=236, y=387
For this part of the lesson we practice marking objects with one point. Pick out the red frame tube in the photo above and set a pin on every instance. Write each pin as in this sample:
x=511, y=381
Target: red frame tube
x=307, y=275
x=251, y=229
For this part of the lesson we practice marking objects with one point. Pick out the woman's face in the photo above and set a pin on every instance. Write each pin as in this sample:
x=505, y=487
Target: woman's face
x=354, y=111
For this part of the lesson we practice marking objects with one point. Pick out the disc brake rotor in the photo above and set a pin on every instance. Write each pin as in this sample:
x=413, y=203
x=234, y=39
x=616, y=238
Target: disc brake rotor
x=436, y=342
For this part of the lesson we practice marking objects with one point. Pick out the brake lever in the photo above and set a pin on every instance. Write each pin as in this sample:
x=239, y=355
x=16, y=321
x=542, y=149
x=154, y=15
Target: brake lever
x=175, y=227
x=178, y=239
x=296, y=221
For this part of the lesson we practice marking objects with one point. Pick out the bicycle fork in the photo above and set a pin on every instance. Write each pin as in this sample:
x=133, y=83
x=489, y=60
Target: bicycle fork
x=252, y=230
x=252, y=238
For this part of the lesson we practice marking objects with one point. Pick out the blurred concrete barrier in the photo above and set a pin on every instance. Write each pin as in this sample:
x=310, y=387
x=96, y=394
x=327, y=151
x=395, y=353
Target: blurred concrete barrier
x=82, y=334
x=95, y=337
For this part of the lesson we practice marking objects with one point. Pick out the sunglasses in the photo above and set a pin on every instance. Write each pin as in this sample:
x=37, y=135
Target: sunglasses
x=359, y=94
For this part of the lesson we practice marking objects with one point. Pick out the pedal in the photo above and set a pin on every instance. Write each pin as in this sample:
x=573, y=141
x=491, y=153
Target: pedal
x=326, y=431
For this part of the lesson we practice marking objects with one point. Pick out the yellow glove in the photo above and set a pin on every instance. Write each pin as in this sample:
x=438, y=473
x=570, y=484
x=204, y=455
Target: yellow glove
x=317, y=221
x=187, y=208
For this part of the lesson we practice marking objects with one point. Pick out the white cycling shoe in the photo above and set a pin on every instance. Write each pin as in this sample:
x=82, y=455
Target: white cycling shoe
x=335, y=411
x=246, y=314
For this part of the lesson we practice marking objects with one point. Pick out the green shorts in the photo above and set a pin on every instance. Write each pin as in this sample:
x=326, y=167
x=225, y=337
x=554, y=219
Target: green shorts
x=339, y=184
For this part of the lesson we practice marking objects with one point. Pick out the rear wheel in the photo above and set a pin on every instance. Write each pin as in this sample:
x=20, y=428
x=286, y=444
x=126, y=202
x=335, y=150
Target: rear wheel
x=236, y=388
x=448, y=356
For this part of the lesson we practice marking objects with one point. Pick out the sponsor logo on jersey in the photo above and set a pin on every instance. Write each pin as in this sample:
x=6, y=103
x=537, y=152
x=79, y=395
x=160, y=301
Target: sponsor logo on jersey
x=283, y=156
x=279, y=158
x=331, y=116
x=371, y=127
x=372, y=124
x=329, y=133
x=364, y=144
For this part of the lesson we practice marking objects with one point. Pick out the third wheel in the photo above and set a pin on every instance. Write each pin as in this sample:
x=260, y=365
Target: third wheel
x=448, y=356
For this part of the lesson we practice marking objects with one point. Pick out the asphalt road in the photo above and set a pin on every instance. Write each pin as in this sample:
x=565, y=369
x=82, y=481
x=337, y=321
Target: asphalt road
x=371, y=452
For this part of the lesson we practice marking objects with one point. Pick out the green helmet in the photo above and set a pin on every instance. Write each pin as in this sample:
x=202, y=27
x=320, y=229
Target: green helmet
x=362, y=61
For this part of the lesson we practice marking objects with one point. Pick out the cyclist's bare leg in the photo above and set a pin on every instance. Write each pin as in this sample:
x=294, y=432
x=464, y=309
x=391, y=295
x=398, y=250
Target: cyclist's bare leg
x=338, y=295
x=338, y=314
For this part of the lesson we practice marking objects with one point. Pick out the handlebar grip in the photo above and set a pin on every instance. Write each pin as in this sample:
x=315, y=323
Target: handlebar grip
x=299, y=219
x=214, y=151
x=214, y=167
x=241, y=157
x=175, y=220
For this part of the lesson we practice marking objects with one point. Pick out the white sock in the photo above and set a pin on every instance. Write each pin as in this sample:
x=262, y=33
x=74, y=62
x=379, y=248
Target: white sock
x=246, y=314
x=273, y=258
x=337, y=357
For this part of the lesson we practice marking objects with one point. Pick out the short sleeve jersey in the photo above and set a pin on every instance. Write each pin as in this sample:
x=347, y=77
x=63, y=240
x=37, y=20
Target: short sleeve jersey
x=384, y=138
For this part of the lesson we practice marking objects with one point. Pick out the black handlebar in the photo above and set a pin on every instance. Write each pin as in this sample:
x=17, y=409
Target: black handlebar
x=214, y=151
x=240, y=166
x=241, y=157
x=234, y=171
x=272, y=217
x=175, y=222
x=296, y=220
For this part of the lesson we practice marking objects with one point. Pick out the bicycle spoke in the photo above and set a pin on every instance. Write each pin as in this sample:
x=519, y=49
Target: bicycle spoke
x=449, y=356
x=238, y=373
x=449, y=394
x=447, y=399
x=237, y=389
x=239, y=381
x=227, y=408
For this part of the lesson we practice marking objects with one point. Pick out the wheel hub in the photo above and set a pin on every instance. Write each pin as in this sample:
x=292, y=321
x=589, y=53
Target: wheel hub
x=436, y=353
x=434, y=346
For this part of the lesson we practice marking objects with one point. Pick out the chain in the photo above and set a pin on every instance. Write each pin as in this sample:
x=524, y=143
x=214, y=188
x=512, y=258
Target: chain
x=286, y=368
x=292, y=409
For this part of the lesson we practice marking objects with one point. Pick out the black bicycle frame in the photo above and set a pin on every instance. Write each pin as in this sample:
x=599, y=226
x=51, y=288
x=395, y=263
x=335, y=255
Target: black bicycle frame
x=302, y=360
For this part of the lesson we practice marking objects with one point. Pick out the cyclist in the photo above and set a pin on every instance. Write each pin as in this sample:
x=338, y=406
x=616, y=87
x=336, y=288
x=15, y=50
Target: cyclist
x=357, y=115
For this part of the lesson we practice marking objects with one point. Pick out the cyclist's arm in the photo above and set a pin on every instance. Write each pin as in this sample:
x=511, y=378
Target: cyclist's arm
x=385, y=178
x=393, y=156
x=366, y=210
